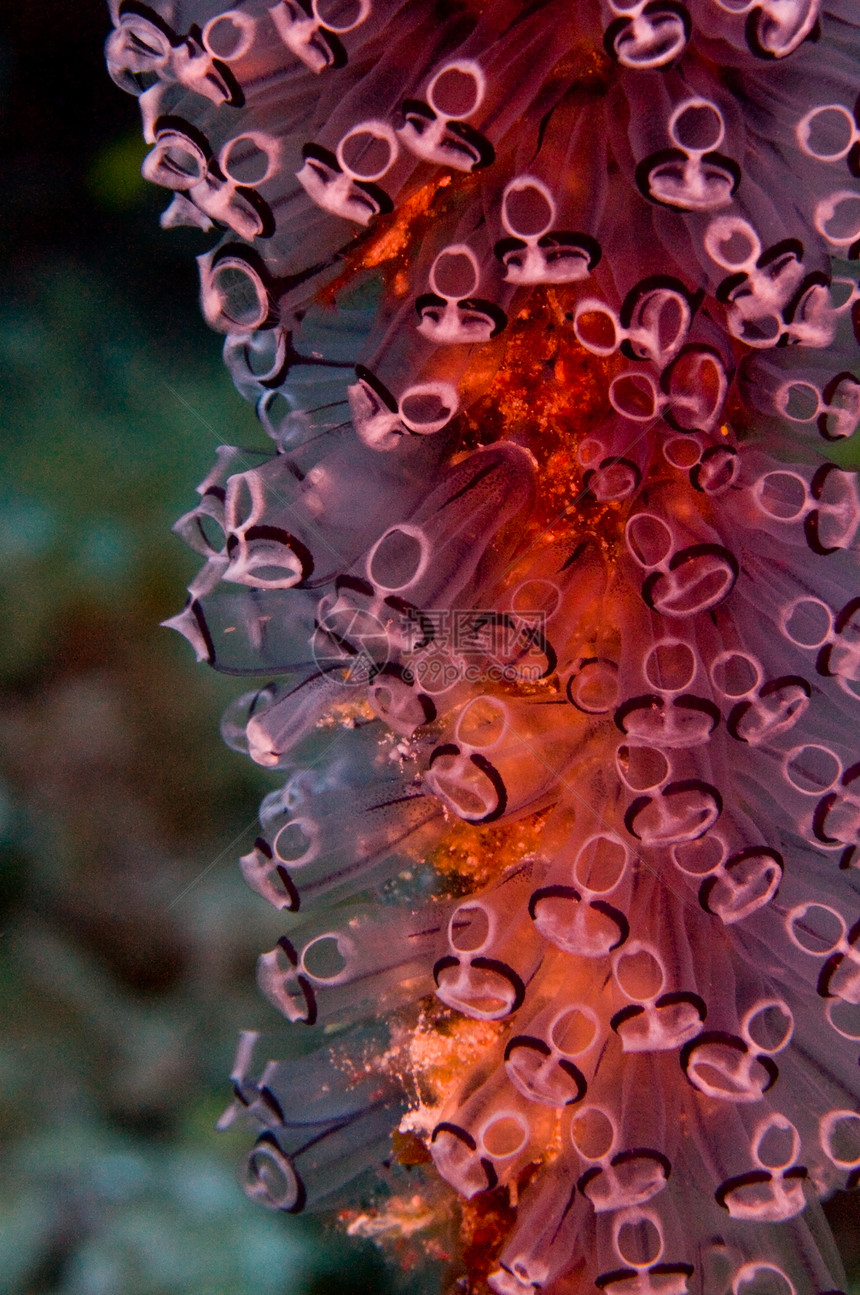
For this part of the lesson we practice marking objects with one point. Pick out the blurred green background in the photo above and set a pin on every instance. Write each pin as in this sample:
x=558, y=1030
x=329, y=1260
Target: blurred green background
x=128, y=940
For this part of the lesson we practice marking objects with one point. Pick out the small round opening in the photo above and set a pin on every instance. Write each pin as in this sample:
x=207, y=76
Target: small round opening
x=735, y=674
x=770, y=1026
x=838, y=218
x=183, y=161
x=840, y=1138
x=827, y=132
x=340, y=16
x=428, y=408
x=816, y=928
x=229, y=35
x=596, y=330
x=660, y=319
x=807, y=622
x=592, y=1133
x=573, y=1032
x=270, y=1178
x=292, y=842
x=682, y=452
x=698, y=858
x=649, y=539
x=457, y=90
x=455, y=273
x=844, y=1018
x=600, y=865
x=482, y=723
x=670, y=666
x=799, y=401
x=396, y=561
x=594, y=687
x=634, y=396
x=698, y=126
x=470, y=928
x=528, y=208
x=466, y=788
x=777, y=1144
x=638, y=1242
x=323, y=959
x=367, y=151
x=782, y=495
x=642, y=767
x=812, y=769
x=211, y=532
x=242, y=297
x=733, y=244
x=245, y=160
x=504, y=1136
x=761, y=1279
x=639, y=975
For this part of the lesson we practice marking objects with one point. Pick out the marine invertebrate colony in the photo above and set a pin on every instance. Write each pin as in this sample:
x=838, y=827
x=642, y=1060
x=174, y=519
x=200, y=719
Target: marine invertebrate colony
x=548, y=596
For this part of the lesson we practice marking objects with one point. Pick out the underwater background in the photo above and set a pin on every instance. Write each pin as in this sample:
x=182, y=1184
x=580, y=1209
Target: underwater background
x=128, y=937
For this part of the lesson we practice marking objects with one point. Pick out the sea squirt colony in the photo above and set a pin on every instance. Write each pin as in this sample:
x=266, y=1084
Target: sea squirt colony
x=547, y=599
